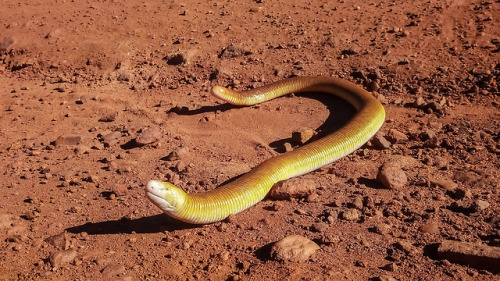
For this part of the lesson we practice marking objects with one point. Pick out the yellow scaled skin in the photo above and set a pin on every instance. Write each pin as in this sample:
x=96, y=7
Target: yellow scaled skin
x=252, y=187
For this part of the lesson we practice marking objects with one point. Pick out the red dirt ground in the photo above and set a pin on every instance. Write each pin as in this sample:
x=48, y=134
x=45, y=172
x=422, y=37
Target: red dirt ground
x=91, y=68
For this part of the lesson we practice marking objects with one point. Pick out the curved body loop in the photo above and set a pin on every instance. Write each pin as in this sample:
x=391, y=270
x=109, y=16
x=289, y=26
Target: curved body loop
x=252, y=187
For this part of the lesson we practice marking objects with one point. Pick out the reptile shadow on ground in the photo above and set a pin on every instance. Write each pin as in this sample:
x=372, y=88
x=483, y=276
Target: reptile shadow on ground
x=151, y=224
x=340, y=113
x=204, y=109
x=340, y=110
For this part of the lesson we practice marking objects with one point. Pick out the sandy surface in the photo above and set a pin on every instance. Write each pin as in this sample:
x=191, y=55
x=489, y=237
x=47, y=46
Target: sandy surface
x=101, y=73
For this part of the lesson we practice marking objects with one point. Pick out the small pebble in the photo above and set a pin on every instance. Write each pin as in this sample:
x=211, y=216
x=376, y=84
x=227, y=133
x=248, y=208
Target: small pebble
x=60, y=241
x=368, y=202
x=147, y=136
x=390, y=267
x=6, y=43
x=351, y=214
x=431, y=228
x=68, y=140
x=60, y=258
x=330, y=219
x=419, y=102
x=360, y=264
x=111, y=138
x=395, y=136
x=479, y=205
x=302, y=135
x=119, y=189
x=446, y=184
x=392, y=176
x=30, y=215
x=293, y=188
x=439, y=197
x=113, y=270
x=178, y=154
x=53, y=33
x=440, y=163
x=313, y=197
x=233, y=51
x=110, y=117
x=329, y=239
x=427, y=135
x=380, y=142
x=382, y=229
x=6, y=221
x=351, y=51
x=431, y=143
x=319, y=227
x=358, y=202
x=434, y=107
x=405, y=246
x=124, y=76
x=81, y=149
x=373, y=86
x=301, y=212
x=224, y=256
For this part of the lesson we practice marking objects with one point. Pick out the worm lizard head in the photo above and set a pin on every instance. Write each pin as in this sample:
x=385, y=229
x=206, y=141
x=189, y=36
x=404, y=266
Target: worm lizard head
x=219, y=92
x=227, y=95
x=165, y=195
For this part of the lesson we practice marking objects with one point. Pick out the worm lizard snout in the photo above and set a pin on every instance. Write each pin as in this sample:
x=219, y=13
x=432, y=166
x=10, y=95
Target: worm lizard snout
x=165, y=195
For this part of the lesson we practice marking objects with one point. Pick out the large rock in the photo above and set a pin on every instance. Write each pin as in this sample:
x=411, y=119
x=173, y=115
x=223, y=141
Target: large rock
x=293, y=248
x=395, y=136
x=292, y=188
x=60, y=258
x=392, y=176
x=147, y=136
x=474, y=255
x=60, y=241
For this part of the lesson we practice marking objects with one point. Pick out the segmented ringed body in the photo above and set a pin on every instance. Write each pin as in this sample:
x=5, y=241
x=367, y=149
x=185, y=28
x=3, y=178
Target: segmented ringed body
x=252, y=187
